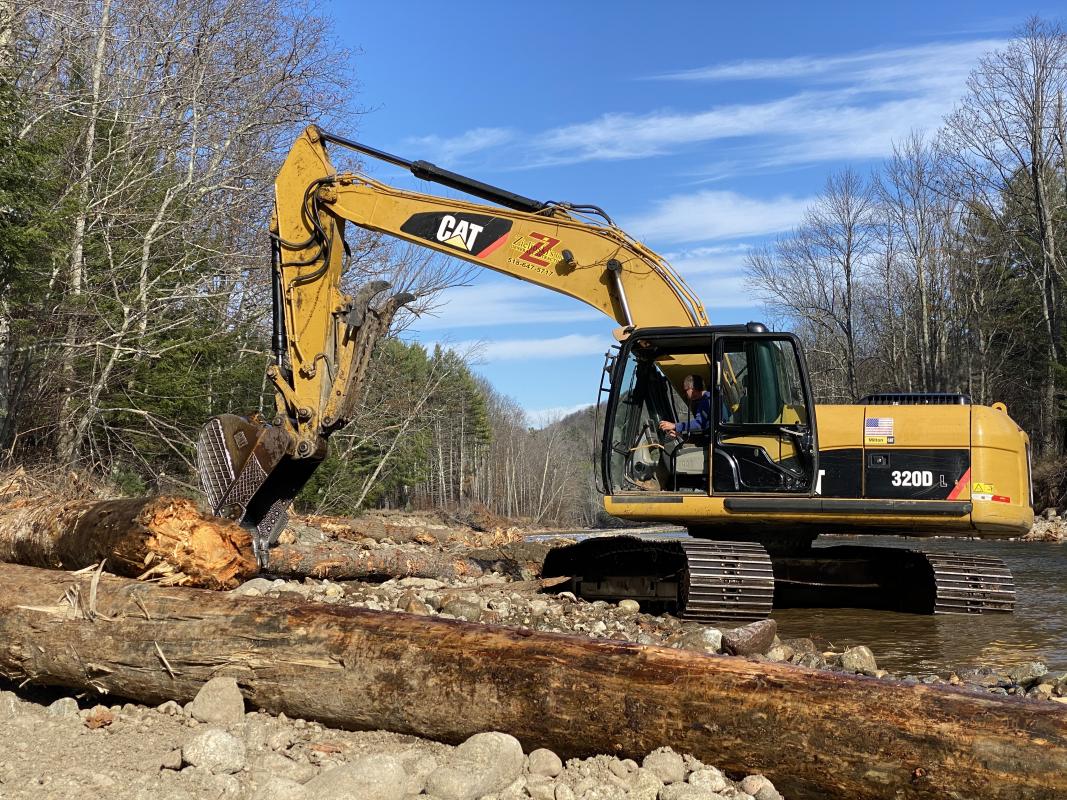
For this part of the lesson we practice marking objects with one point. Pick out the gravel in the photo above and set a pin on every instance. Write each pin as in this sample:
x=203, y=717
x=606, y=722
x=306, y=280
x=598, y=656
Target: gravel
x=148, y=753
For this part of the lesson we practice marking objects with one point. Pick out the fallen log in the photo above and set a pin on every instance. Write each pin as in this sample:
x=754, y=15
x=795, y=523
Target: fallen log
x=342, y=562
x=170, y=540
x=815, y=734
x=165, y=538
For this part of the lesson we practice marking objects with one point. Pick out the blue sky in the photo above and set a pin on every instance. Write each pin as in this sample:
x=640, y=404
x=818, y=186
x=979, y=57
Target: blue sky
x=703, y=128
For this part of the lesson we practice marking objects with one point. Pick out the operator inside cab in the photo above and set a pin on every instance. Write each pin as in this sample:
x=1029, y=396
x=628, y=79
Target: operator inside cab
x=699, y=401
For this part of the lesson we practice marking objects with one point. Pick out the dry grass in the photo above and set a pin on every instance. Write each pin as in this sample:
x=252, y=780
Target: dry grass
x=20, y=485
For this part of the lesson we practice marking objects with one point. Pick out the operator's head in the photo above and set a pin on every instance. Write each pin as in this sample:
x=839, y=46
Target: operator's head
x=693, y=387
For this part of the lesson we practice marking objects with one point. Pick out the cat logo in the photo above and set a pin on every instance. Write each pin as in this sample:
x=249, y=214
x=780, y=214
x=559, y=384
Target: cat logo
x=477, y=234
x=458, y=233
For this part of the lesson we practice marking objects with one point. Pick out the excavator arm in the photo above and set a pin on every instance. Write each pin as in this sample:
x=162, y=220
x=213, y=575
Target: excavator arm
x=322, y=337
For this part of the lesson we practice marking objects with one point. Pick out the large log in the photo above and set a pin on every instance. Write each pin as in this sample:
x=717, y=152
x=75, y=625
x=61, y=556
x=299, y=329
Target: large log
x=815, y=734
x=171, y=540
x=166, y=538
x=341, y=562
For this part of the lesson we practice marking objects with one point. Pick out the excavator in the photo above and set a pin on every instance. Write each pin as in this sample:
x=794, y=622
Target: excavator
x=754, y=486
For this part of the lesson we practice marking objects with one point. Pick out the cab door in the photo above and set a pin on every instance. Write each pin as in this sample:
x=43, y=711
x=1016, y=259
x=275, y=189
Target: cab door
x=764, y=438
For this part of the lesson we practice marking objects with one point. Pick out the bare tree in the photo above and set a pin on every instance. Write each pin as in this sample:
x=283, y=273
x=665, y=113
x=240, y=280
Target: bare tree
x=814, y=275
x=1002, y=145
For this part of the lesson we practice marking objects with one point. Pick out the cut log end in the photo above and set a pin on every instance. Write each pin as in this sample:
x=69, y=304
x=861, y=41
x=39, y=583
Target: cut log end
x=212, y=553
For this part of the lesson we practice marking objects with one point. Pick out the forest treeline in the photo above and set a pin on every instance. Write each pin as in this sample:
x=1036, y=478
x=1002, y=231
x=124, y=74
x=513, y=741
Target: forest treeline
x=944, y=269
x=138, y=145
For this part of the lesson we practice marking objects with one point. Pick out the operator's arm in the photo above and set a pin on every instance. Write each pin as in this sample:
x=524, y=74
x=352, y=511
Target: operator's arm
x=700, y=421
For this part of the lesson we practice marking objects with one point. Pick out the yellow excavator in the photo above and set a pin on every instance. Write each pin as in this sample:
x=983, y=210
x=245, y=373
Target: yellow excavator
x=755, y=482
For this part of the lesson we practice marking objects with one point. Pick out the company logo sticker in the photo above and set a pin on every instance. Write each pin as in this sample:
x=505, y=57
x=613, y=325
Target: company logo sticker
x=476, y=234
x=535, y=251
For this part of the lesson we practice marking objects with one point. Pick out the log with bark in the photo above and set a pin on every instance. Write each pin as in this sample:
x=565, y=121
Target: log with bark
x=163, y=538
x=816, y=734
x=340, y=562
x=170, y=540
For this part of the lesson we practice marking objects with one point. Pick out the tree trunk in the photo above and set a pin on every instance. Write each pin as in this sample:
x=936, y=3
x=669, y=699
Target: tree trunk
x=69, y=443
x=343, y=562
x=816, y=734
x=164, y=537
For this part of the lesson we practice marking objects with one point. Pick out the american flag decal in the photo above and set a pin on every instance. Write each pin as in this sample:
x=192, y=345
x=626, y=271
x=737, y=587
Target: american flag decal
x=878, y=426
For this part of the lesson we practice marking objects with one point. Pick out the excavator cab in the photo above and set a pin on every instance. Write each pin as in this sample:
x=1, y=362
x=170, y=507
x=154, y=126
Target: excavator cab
x=754, y=435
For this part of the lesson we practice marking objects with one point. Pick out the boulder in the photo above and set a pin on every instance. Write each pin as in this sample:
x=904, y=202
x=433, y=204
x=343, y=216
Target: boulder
x=485, y=763
x=219, y=702
x=1028, y=673
x=216, y=751
x=708, y=778
x=760, y=787
x=858, y=659
x=63, y=707
x=756, y=637
x=665, y=764
x=462, y=608
x=544, y=762
x=704, y=640
x=372, y=777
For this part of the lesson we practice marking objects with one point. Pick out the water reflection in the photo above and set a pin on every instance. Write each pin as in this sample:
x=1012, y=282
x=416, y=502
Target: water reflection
x=904, y=643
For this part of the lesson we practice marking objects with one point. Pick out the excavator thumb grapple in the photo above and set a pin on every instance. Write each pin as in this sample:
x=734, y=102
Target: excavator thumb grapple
x=248, y=476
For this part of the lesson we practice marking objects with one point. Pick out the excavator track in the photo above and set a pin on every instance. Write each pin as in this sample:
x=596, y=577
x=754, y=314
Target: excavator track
x=971, y=584
x=726, y=581
x=696, y=579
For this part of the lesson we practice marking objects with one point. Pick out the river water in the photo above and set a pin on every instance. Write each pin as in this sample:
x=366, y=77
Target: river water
x=913, y=643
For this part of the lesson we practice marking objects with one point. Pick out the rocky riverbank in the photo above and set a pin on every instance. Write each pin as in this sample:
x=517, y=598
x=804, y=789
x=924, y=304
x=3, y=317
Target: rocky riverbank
x=65, y=747
x=510, y=594
x=59, y=746
x=1051, y=526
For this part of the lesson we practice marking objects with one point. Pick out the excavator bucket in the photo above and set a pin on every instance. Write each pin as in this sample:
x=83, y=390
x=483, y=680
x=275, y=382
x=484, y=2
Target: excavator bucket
x=248, y=476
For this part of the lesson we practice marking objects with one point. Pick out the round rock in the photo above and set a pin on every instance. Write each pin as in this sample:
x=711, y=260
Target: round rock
x=760, y=788
x=629, y=607
x=707, y=640
x=379, y=777
x=545, y=762
x=708, y=778
x=462, y=609
x=485, y=763
x=63, y=707
x=756, y=637
x=666, y=765
x=216, y=751
x=219, y=702
x=858, y=659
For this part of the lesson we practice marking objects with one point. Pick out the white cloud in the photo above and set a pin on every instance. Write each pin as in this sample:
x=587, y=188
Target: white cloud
x=709, y=215
x=851, y=106
x=937, y=63
x=573, y=344
x=493, y=304
x=449, y=150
